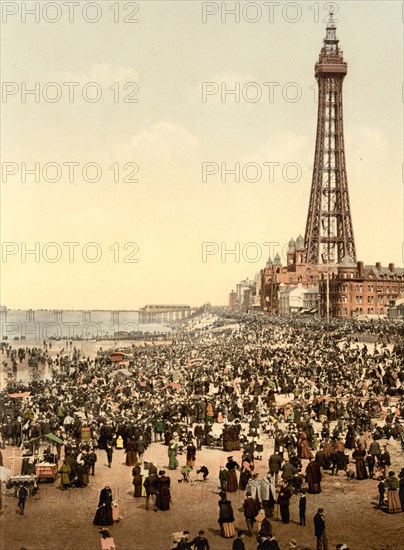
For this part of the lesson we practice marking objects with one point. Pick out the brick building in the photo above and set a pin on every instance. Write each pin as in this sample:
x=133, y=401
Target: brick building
x=295, y=273
x=356, y=289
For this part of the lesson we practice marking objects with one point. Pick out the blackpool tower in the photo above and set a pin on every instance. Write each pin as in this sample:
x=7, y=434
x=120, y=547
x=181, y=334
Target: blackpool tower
x=329, y=234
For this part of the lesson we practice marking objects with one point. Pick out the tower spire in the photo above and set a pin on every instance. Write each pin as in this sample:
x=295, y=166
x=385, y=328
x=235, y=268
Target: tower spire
x=329, y=232
x=331, y=40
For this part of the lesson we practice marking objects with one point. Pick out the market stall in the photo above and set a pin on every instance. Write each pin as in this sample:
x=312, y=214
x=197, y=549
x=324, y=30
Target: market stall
x=46, y=456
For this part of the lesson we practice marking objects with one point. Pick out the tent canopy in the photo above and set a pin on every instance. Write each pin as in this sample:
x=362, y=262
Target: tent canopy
x=50, y=436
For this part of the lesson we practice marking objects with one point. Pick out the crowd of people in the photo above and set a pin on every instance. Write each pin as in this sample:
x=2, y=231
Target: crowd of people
x=323, y=401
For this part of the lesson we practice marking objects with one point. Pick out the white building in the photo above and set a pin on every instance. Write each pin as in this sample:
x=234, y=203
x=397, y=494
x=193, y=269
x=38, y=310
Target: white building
x=291, y=299
x=311, y=300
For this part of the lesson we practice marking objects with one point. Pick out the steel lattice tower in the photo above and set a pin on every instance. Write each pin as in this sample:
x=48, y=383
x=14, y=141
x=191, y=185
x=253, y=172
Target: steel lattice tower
x=329, y=233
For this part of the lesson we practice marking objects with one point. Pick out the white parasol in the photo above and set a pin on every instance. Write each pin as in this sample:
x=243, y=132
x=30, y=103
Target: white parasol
x=5, y=473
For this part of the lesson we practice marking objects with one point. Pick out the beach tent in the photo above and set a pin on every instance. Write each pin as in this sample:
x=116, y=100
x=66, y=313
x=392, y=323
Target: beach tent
x=49, y=436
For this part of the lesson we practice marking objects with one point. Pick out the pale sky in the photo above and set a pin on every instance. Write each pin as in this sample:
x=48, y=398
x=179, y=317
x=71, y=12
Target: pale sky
x=171, y=131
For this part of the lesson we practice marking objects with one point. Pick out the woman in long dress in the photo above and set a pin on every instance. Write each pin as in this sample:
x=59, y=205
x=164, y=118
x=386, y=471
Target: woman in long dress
x=304, y=449
x=350, y=438
x=131, y=454
x=172, y=455
x=163, y=499
x=313, y=477
x=226, y=517
x=103, y=515
x=232, y=483
x=359, y=456
x=245, y=474
x=137, y=481
x=65, y=472
x=393, y=502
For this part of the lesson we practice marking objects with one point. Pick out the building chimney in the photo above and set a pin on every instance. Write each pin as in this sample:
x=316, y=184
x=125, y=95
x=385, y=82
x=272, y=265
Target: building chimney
x=360, y=268
x=391, y=267
x=378, y=266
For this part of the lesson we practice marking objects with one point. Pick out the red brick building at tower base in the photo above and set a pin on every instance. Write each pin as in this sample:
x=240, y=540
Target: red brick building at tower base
x=354, y=288
x=325, y=260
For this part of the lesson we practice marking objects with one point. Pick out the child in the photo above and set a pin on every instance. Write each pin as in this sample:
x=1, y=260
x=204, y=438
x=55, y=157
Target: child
x=381, y=490
x=204, y=471
x=302, y=508
x=185, y=473
x=116, y=518
x=259, y=518
x=107, y=542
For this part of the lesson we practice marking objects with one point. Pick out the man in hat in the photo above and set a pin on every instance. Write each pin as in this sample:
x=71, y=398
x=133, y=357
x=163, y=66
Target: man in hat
x=200, y=542
x=274, y=465
x=22, y=494
x=250, y=511
x=140, y=447
x=319, y=530
x=268, y=543
x=302, y=508
x=184, y=543
x=385, y=460
x=238, y=543
x=150, y=485
x=109, y=450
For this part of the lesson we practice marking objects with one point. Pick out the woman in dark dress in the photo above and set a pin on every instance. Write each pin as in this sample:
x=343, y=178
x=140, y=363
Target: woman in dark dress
x=137, y=481
x=163, y=499
x=283, y=500
x=245, y=474
x=232, y=483
x=313, y=477
x=359, y=456
x=350, y=438
x=103, y=515
x=131, y=454
x=226, y=516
